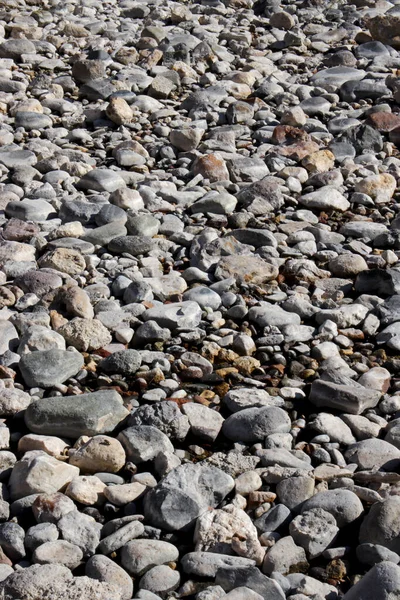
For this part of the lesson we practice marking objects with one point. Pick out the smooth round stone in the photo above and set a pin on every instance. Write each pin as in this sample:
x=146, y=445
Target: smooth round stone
x=340, y=124
x=343, y=504
x=101, y=180
x=110, y=213
x=160, y=580
x=30, y=210
x=16, y=159
x=72, y=244
x=315, y=106
x=103, y=568
x=342, y=150
x=254, y=424
x=98, y=453
x=131, y=244
x=138, y=556
x=381, y=525
x=32, y=120
x=50, y=367
x=371, y=50
x=143, y=225
x=14, y=48
x=59, y=552
x=204, y=297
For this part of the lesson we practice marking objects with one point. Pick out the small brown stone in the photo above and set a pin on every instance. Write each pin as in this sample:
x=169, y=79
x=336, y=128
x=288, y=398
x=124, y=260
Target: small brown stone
x=286, y=134
x=298, y=151
x=20, y=231
x=212, y=167
x=119, y=111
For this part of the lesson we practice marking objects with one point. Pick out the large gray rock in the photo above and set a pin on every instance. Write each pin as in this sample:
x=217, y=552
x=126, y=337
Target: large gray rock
x=342, y=504
x=138, y=556
x=73, y=416
x=254, y=424
x=166, y=416
x=57, y=583
x=81, y=530
x=374, y=454
x=101, y=180
x=46, y=369
x=382, y=524
x=104, y=569
x=184, y=494
x=206, y=564
x=382, y=582
x=251, y=577
x=144, y=442
x=353, y=399
x=314, y=530
x=284, y=556
x=185, y=315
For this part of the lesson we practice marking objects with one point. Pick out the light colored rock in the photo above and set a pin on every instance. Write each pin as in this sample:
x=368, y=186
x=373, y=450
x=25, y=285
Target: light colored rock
x=37, y=472
x=97, y=454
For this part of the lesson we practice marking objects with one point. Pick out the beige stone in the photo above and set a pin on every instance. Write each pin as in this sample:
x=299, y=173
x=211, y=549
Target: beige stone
x=54, y=446
x=380, y=186
x=65, y=260
x=88, y=490
x=125, y=493
x=319, y=162
x=119, y=111
x=37, y=473
x=100, y=453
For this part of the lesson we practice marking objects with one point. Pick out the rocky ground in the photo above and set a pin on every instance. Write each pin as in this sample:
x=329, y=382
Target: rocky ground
x=199, y=300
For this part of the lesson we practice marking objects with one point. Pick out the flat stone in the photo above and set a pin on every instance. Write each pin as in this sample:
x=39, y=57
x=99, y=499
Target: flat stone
x=326, y=198
x=73, y=416
x=374, y=454
x=351, y=398
x=37, y=472
x=182, y=315
x=104, y=569
x=50, y=367
x=246, y=269
x=138, y=556
x=101, y=180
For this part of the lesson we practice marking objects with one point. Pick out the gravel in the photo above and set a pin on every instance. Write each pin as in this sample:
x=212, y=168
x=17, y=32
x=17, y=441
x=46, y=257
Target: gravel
x=199, y=300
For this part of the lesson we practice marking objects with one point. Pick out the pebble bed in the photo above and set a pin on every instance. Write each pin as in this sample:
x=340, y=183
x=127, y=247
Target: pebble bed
x=199, y=300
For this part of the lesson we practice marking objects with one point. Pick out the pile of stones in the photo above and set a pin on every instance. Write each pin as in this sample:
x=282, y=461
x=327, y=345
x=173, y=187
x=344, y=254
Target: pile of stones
x=199, y=300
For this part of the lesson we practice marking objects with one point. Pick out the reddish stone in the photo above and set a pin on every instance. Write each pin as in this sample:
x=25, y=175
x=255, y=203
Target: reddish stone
x=20, y=231
x=286, y=134
x=211, y=167
x=384, y=121
x=298, y=151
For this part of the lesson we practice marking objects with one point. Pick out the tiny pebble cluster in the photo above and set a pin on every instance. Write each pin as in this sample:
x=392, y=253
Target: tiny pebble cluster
x=199, y=299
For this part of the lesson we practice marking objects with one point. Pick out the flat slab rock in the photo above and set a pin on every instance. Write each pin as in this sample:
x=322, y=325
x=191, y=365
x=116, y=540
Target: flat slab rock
x=73, y=416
